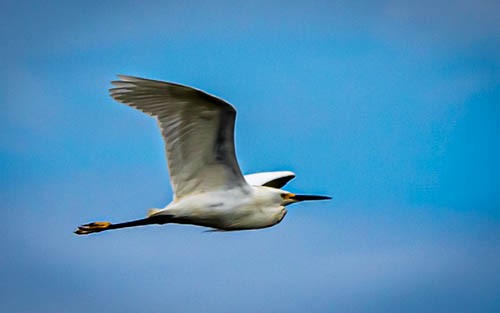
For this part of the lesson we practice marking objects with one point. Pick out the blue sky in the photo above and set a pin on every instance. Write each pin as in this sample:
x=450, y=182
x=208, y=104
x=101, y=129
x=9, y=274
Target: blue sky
x=391, y=107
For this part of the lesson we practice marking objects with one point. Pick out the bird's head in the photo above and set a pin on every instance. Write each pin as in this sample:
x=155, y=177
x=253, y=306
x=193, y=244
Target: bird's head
x=288, y=198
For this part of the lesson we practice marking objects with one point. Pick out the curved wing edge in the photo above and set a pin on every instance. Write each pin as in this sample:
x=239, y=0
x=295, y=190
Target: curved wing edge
x=270, y=179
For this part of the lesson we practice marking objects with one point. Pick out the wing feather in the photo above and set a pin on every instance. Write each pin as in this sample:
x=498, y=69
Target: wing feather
x=270, y=179
x=198, y=130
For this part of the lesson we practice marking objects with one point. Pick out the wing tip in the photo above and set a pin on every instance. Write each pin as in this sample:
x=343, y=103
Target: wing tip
x=136, y=79
x=124, y=77
x=289, y=174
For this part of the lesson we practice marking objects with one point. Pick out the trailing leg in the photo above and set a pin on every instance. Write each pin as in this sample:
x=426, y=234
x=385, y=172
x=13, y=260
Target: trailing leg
x=96, y=227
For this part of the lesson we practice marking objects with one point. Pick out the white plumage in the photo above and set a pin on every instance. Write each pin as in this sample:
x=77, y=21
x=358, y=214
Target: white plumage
x=209, y=188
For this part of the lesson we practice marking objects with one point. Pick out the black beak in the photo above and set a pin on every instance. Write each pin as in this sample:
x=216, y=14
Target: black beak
x=309, y=197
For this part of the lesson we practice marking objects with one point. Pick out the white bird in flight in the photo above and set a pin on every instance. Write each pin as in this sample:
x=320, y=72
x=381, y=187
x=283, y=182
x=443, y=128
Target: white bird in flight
x=209, y=188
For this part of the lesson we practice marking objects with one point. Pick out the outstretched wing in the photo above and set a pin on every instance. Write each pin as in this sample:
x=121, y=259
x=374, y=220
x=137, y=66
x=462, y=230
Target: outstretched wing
x=270, y=179
x=198, y=130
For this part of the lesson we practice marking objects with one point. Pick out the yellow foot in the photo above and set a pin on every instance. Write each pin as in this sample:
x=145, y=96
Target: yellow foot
x=92, y=228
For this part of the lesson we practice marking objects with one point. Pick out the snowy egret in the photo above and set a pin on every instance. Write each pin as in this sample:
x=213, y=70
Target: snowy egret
x=209, y=188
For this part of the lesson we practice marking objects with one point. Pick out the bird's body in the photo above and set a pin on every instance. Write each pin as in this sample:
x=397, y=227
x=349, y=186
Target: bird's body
x=210, y=191
x=233, y=209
